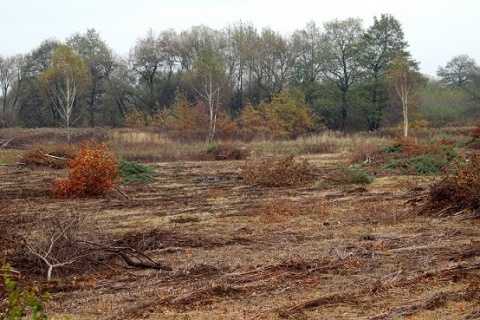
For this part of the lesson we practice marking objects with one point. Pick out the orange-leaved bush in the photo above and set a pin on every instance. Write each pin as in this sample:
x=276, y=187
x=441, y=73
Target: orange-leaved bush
x=93, y=171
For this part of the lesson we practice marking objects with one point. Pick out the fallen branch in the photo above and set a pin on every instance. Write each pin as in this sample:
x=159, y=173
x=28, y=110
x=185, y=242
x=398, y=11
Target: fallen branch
x=121, y=192
x=12, y=164
x=435, y=301
x=331, y=179
x=46, y=254
x=6, y=143
x=314, y=303
x=120, y=251
x=52, y=156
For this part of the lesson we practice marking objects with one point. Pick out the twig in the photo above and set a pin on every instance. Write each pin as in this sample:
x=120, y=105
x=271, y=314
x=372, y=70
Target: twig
x=331, y=179
x=121, y=192
x=120, y=251
x=12, y=164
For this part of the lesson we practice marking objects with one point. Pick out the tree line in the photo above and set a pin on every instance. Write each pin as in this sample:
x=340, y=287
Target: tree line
x=237, y=81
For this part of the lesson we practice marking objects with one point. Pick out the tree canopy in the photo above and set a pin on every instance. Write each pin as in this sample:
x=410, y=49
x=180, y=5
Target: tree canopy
x=234, y=77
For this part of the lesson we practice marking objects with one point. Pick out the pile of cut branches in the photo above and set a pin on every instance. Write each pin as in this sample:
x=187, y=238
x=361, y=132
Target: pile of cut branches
x=458, y=192
x=278, y=172
x=408, y=156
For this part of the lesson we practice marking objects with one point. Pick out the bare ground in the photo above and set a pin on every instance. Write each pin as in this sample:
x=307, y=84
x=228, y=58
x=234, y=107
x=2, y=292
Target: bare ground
x=322, y=251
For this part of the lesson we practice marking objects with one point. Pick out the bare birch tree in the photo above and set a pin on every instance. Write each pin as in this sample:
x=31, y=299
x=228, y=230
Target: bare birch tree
x=209, y=78
x=403, y=79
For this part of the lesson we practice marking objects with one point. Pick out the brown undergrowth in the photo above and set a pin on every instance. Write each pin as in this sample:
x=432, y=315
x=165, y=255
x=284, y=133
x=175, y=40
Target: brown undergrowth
x=278, y=172
x=458, y=192
x=309, y=251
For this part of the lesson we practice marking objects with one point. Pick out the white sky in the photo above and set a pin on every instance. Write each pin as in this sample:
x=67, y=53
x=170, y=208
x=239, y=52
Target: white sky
x=437, y=30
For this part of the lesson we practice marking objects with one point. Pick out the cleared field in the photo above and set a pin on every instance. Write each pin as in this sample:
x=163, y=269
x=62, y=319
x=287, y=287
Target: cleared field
x=321, y=251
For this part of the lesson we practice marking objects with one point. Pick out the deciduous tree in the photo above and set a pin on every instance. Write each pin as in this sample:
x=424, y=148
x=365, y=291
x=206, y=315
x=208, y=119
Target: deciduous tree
x=288, y=116
x=65, y=81
x=310, y=60
x=343, y=64
x=12, y=74
x=383, y=41
x=99, y=63
x=403, y=79
x=458, y=72
x=208, y=78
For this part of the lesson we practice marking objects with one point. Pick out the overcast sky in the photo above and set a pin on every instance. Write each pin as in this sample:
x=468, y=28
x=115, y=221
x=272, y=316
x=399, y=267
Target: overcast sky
x=436, y=30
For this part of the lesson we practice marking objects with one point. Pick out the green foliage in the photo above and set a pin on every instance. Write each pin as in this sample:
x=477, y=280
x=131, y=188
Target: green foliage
x=427, y=164
x=410, y=157
x=133, y=171
x=210, y=148
x=64, y=81
x=357, y=173
x=22, y=302
x=397, y=147
x=287, y=116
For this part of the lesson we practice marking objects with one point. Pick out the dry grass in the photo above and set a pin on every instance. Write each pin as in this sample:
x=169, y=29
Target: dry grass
x=310, y=251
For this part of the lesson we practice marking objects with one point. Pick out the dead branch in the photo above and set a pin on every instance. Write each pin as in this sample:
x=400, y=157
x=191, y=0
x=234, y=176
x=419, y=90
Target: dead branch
x=141, y=264
x=47, y=255
x=52, y=156
x=5, y=144
x=331, y=179
x=314, y=303
x=435, y=301
x=121, y=192
x=12, y=164
x=145, y=263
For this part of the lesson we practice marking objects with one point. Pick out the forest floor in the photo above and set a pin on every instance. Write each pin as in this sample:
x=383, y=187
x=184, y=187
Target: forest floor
x=321, y=251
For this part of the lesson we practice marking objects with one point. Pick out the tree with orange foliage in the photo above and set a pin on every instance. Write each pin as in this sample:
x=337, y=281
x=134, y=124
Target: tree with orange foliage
x=182, y=121
x=251, y=123
x=135, y=119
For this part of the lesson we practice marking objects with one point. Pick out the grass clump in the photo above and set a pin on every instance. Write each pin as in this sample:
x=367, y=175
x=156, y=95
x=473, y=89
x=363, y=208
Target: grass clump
x=278, y=172
x=132, y=171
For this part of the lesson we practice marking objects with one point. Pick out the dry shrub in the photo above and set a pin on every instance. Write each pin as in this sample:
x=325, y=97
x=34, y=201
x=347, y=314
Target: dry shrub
x=54, y=158
x=476, y=132
x=278, y=172
x=409, y=147
x=458, y=191
x=227, y=151
x=93, y=171
x=230, y=152
x=365, y=153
